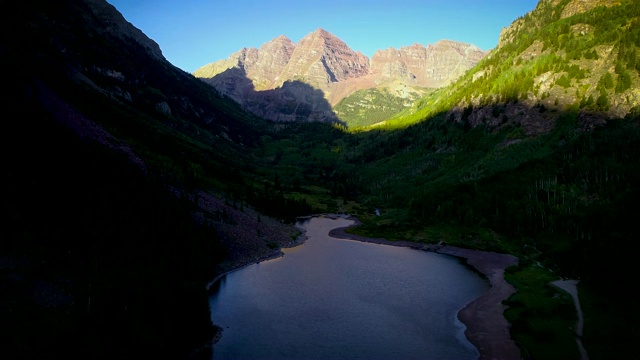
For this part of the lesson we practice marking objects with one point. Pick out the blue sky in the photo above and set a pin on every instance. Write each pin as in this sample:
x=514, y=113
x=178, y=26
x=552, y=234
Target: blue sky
x=193, y=33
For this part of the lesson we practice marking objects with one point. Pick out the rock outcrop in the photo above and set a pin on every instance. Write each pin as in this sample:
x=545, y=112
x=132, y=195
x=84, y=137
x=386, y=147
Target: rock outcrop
x=320, y=58
x=432, y=66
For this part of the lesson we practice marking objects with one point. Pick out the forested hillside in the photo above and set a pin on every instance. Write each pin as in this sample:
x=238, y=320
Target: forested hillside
x=554, y=56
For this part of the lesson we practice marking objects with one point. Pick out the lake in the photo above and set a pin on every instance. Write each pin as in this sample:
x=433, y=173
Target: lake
x=342, y=299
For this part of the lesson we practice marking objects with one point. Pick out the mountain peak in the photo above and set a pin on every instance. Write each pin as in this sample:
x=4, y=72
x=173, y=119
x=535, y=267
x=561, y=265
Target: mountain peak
x=322, y=58
x=281, y=38
x=325, y=62
x=279, y=43
x=322, y=35
x=323, y=32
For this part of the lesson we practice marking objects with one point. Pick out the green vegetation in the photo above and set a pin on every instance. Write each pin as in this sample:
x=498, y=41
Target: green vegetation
x=547, y=56
x=605, y=325
x=482, y=176
x=542, y=317
x=370, y=106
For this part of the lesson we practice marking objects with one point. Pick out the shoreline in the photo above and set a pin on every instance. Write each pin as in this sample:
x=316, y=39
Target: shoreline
x=486, y=327
x=300, y=240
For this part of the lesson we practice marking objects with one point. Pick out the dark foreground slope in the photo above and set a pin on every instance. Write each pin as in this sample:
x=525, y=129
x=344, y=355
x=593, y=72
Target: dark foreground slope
x=97, y=258
x=109, y=153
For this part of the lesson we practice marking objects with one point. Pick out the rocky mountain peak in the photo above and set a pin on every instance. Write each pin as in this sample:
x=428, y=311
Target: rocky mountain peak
x=324, y=62
x=321, y=58
x=281, y=38
x=322, y=36
x=322, y=33
x=272, y=57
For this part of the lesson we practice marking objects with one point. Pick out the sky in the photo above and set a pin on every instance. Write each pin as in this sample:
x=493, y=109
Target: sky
x=193, y=33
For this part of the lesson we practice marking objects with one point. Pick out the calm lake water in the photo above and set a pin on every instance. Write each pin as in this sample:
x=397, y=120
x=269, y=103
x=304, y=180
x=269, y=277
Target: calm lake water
x=343, y=299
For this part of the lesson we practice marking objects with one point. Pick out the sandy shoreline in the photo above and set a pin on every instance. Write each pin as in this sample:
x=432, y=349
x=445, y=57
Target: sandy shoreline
x=487, y=328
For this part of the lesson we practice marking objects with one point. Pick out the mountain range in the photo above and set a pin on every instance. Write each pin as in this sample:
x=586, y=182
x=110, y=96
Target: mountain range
x=261, y=79
x=130, y=184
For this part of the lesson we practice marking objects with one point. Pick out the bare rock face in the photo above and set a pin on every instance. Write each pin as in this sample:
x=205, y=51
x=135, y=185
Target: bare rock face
x=271, y=60
x=321, y=58
x=243, y=59
x=432, y=66
x=262, y=65
x=448, y=60
x=388, y=64
x=326, y=64
x=579, y=6
x=415, y=58
x=294, y=101
x=249, y=69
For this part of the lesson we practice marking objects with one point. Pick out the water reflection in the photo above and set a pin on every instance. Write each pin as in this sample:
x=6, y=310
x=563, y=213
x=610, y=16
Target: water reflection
x=332, y=298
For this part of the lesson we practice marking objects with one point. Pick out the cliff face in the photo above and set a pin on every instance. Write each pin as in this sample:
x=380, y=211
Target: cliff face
x=321, y=58
x=432, y=66
x=271, y=60
x=325, y=63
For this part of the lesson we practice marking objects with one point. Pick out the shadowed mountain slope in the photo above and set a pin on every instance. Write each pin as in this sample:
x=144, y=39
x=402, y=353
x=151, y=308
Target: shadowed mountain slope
x=117, y=167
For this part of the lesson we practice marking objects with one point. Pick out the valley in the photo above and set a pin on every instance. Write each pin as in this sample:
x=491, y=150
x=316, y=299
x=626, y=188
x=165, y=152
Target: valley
x=131, y=184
